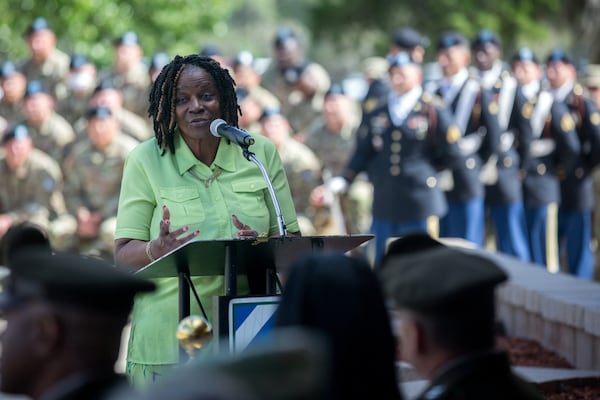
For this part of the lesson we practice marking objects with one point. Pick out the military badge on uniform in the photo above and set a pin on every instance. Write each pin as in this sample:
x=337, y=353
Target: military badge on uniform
x=567, y=123
x=493, y=108
x=377, y=142
x=527, y=110
x=453, y=134
x=595, y=118
x=370, y=104
x=379, y=123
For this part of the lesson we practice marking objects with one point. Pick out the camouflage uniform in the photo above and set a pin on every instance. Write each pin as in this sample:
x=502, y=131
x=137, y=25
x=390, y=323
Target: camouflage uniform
x=52, y=73
x=333, y=149
x=96, y=186
x=53, y=137
x=135, y=86
x=303, y=171
x=131, y=125
x=34, y=192
x=74, y=107
x=12, y=113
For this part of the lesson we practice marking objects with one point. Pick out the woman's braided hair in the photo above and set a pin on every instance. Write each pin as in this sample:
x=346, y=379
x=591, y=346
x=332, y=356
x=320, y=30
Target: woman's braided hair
x=163, y=91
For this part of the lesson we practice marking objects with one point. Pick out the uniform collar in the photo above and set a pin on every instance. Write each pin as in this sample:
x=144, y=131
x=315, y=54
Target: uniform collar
x=185, y=159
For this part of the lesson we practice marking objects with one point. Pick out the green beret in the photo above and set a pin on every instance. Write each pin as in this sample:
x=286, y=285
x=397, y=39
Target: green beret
x=88, y=283
x=439, y=278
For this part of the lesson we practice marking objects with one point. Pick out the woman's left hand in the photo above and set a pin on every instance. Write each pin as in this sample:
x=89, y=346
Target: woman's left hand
x=244, y=231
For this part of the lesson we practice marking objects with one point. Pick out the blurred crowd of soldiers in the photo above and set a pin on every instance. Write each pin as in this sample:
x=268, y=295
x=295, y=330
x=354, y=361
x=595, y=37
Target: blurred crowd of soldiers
x=498, y=152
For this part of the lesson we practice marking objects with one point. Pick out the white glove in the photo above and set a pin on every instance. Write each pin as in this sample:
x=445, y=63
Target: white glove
x=337, y=185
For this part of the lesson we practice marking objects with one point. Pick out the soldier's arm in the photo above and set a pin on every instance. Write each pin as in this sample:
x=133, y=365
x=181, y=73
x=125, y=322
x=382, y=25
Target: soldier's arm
x=562, y=126
x=489, y=119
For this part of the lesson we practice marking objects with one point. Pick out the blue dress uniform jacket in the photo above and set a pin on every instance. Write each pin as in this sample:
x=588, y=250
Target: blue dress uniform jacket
x=507, y=189
x=541, y=170
x=577, y=189
x=400, y=160
x=483, y=122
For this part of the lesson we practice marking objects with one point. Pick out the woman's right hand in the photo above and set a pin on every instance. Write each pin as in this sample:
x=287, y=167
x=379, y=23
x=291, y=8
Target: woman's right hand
x=169, y=240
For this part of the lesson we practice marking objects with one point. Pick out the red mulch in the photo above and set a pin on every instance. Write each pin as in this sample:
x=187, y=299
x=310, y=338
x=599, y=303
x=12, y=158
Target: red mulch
x=529, y=353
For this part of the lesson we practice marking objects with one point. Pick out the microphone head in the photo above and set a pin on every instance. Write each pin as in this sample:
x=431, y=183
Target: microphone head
x=214, y=126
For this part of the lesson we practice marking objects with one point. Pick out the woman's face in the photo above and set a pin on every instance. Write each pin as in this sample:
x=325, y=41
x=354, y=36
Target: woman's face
x=197, y=103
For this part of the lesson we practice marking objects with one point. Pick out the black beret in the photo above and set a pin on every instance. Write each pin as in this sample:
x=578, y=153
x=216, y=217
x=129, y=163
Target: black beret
x=400, y=59
x=128, y=38
x=408, y=38
x=485, y=36
x=78, y=60
x=98, y=112
x=558, y=55
x=87, y=283
x=432, y=280
x=35, y=87
x=8, y=69
x=38, y=24
x=451, y=39
x=525, y=54
x=18, y=131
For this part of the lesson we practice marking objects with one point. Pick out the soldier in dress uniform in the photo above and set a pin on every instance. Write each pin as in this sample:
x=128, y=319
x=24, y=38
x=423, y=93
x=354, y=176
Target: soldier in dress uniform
x=130, y=74
x=92, y=191
x=444, y=306
x=400, y=145
x=81, y=82
x=547, y=146
x=65, y=315
x=299, y=83
x=13, y=84
x=475, y=114
x=302, y=167
x=31, y=188
x=501, y=176
x=46, y=63
x=577, y=193
x=50, y=132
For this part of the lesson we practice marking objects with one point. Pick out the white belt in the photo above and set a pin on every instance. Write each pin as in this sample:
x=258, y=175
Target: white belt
x=542, y=147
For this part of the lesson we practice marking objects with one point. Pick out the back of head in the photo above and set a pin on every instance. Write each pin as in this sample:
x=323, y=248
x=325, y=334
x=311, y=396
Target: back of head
x=453, y=290
x=340, y=297
x=23, y=235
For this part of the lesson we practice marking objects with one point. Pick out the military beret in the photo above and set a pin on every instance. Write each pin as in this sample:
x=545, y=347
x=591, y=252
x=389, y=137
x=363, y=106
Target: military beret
x=159, y=60
x=34, y=87
x=78, y=60
x=408, y=38
x=525, y=54
x=558, y=55
x=105, y=84
x=98, y=112
x=210, y=50
x=283, y=34
x=433, y=280
x=400, y=59
x=87, y=283
x=336, y=88
x=450, y=39
x=244, y=57
x=38, y=24
x=128, y=38
x=8, y=69
x=18, y=132
x=485, y=36
x=270, y=112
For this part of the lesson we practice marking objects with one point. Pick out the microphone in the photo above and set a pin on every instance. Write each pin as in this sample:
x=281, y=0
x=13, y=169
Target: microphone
x=219, y=128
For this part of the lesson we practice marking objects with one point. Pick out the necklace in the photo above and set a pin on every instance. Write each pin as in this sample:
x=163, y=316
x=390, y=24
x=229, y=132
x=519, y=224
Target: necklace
x=206, y=182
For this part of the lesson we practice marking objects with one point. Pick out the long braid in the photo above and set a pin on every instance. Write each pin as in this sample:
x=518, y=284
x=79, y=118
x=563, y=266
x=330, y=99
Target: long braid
x=163, y=91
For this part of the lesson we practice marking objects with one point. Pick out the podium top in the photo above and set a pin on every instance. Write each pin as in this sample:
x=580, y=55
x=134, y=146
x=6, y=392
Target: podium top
x=208, y=257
